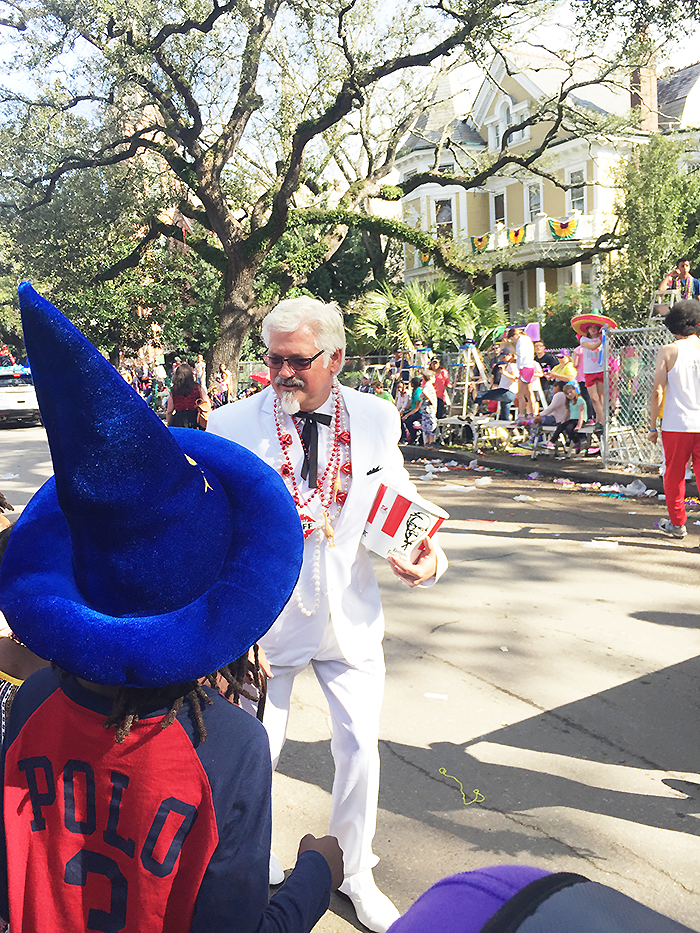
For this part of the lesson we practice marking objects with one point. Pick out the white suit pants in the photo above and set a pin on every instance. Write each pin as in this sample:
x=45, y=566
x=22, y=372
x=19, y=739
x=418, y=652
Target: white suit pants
x=354, y=695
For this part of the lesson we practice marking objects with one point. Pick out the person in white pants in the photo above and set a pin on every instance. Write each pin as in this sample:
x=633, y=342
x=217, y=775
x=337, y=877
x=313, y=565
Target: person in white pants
x=334, y=447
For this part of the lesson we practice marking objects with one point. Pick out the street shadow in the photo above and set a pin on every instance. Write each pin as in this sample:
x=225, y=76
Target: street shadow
x=662, y=544
x=676, y=619
x=11, y=426
x=642, y=538
x=628, y=727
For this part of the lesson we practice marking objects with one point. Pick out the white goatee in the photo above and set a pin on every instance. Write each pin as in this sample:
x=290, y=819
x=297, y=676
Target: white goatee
x=290, y=403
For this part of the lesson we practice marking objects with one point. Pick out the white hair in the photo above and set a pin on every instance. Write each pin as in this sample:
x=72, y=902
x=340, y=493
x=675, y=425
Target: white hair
x=325, y=321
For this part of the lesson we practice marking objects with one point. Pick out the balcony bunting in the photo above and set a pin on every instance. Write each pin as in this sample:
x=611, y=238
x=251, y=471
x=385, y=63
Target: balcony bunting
x=563, y=229
x=479, y=243
x=516, y=236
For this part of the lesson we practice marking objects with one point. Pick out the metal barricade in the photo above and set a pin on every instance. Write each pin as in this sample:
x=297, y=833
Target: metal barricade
x=630, y=360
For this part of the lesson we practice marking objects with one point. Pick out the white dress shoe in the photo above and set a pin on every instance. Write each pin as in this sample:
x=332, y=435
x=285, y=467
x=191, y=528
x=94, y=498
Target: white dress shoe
x=276, y=871
x=374, y=909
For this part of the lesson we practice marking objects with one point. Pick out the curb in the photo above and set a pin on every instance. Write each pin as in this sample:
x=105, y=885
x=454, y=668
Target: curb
x=579, y=471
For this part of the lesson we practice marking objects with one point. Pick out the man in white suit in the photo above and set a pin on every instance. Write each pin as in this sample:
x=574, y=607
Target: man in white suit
x=334, y=447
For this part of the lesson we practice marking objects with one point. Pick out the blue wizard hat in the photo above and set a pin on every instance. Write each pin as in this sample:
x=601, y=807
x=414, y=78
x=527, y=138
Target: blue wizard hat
x=153, y=556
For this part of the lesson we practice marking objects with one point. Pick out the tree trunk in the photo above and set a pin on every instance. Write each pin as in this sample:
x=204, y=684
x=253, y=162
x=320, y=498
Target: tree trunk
x=239, y=314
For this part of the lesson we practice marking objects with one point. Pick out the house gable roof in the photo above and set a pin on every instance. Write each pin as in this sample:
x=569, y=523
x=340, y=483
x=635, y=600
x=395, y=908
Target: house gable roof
x=679, y=96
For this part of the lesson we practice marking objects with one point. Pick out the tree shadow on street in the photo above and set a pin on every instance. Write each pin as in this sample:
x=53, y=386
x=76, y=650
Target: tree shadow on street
x=627, y=726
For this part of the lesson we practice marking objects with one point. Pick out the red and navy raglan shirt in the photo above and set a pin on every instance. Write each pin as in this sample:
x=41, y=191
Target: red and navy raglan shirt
x=161, y=834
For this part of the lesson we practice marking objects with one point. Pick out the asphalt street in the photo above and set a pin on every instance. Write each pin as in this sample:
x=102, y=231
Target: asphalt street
x=552, y=672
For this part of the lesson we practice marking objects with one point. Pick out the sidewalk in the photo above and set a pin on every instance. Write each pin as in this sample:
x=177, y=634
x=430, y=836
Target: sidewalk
x=588, y=470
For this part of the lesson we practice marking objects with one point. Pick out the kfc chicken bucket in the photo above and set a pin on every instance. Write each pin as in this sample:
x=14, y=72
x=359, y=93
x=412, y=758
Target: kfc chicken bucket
x=396, y=523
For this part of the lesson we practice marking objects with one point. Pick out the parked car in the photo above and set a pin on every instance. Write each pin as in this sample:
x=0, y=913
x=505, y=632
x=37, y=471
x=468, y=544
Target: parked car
x=18, y=402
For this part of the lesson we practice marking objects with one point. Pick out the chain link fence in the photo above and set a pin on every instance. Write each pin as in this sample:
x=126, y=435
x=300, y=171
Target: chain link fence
x=630, y=361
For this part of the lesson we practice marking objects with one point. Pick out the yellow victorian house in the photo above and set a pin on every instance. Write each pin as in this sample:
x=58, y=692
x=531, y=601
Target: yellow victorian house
x=517, y=218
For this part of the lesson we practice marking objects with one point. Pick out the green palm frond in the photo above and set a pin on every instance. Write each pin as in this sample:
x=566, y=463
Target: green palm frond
x=435, y=314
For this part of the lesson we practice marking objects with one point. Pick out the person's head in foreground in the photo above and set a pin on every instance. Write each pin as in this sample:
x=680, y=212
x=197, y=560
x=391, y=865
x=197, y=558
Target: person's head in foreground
x=524, y=899
x=683, y=319
x=83, y=583
x=86, y=553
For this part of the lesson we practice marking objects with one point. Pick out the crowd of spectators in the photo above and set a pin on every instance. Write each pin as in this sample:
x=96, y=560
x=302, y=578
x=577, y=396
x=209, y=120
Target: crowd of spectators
x=521, y=380
x=154, y=382
x=421, y=399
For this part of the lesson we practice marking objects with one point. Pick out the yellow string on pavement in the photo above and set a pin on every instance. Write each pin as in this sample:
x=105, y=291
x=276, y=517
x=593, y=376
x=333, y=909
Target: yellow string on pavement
x=478, y=796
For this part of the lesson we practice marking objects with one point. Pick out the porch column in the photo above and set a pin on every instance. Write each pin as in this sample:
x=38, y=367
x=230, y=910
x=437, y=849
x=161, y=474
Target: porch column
x=541, y=291
x=596, y=303
x=576, y=274
x=499, y=289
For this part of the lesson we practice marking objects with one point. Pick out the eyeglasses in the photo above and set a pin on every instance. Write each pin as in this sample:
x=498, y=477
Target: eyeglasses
x=297, y=363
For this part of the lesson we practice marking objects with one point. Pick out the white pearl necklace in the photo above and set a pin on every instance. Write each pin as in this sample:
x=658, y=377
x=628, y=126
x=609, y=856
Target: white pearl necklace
x=327, y=498
x=315, y=576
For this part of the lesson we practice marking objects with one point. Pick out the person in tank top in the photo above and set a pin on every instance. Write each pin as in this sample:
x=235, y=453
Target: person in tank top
x=677, y=391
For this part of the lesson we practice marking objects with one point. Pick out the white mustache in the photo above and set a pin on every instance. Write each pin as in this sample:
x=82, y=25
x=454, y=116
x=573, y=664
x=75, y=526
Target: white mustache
x=292, y=382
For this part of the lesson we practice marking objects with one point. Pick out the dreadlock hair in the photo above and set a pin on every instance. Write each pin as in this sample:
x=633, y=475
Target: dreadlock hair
x=130, y=703
x=240, y=676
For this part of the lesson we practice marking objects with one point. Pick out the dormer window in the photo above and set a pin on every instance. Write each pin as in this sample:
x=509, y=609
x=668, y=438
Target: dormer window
x=506, y=113
x=505, y=120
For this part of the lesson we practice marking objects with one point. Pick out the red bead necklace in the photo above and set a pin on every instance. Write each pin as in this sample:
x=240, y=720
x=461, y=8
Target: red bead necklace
x=331, y=489
x=332, y=485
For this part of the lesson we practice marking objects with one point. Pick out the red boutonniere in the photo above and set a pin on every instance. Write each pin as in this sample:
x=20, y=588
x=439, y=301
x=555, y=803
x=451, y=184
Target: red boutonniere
x=286, y=470
x=340, y=497
x=346, y=468
x=344, y=437
x=286, y=440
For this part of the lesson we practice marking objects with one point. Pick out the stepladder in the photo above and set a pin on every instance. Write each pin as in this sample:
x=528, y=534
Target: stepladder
x=661, y=304
x=469, y=371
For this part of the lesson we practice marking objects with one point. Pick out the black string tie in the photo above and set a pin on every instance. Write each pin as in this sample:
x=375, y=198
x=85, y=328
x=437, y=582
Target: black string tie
x=309, y=441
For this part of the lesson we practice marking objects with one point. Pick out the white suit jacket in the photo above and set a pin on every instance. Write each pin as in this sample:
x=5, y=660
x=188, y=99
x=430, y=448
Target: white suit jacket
x=349, y=590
